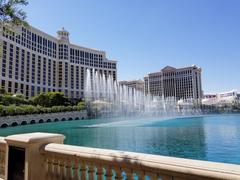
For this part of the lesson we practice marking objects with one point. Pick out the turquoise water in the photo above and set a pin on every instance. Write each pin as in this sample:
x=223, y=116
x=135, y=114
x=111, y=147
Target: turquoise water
x=214, y=138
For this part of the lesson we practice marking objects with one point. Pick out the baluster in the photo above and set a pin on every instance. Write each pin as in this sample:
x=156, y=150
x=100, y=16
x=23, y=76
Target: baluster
x=99, y=172
x=47, y=164
x=76, y=170
x=55, y=167
x=166, y=177
x=50, y=174
x=129, y=174
x=61, y=169
x=118, y=172
x=83, y=170
x=91, y=171
x=109, y=173
x=68, y=167
x=141, y=175
x=3, y=153
x=153, y=176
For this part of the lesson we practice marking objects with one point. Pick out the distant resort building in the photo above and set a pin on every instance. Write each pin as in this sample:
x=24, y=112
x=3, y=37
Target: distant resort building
x=222, y=99
x=182, y=84
x=136, y=84
x=33, y=62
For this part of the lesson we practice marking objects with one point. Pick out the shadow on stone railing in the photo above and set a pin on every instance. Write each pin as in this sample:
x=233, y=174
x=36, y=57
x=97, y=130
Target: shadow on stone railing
x=3, y=148
x=65, y=161
x=44, y=156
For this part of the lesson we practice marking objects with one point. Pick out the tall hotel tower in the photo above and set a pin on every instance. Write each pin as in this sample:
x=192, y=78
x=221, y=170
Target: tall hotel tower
x=183, y=83
x=33, y=62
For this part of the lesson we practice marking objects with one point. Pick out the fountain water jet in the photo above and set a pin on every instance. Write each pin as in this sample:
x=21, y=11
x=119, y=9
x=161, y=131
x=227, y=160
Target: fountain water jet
x=105, y=97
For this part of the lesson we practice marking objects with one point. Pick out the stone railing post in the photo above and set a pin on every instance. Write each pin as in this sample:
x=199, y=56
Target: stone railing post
x=24, y=159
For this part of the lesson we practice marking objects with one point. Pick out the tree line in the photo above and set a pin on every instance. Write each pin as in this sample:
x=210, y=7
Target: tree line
x=50, y=102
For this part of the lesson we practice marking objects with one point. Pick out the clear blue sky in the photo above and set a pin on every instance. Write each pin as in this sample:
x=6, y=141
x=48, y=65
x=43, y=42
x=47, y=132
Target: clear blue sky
x=146, y=35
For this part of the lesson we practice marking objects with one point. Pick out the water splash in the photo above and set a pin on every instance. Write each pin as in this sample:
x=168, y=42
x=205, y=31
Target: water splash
x=106, y=98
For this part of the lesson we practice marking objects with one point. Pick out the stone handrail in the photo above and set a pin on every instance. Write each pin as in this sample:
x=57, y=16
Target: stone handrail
x=3, y=148
x=75, y=162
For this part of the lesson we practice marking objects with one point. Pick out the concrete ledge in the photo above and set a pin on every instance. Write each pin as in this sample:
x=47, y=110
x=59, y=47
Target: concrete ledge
x=30, y=138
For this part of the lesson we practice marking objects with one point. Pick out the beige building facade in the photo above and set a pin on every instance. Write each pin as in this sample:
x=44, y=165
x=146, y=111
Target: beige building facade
x=33, y=62
x=136, y=84
x=183, y=83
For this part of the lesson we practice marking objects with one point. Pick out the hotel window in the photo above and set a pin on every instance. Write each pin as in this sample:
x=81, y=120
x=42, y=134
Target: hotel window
x=60, y=74
x=66, y=92
x=77, y=77
x=16, y=63
x=50, y=48
x=54, y=50
x=10, y=65
x=82, y=78
x=28, y=66
x=65, y=51
x=33, y=67
x=66, y=74
x=72, y=55
x=23, y=65
x=3, y=84
x=72, y=77
x=16, y=87
x=9, y=86
x=27, y=91
x=4, y=59
x=49, y=72
x=39, y=46
x=54, y=73
x=60, y=51
x=38, y=90
x=44, y=71
x=39, y=70
x=32, y=91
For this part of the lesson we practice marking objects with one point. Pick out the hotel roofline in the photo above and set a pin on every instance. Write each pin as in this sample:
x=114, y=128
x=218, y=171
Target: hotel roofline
x=170, y=68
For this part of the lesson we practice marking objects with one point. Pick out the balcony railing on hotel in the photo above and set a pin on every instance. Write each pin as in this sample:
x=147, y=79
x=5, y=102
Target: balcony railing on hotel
x=47, y=158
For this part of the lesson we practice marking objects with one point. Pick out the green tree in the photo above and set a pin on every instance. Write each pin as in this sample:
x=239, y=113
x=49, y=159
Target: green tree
x=56, y=99
x=81, y=105
x=49, y=99
x=10, y=110
x=41, y=100
x=10, y=13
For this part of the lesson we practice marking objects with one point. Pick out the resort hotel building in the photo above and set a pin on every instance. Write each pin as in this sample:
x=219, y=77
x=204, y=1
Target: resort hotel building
x=135, y=84
x=182, y=84
x=33, y=62
x=222, y=99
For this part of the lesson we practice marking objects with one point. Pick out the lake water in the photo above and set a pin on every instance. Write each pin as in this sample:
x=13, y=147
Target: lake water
x=213, y=138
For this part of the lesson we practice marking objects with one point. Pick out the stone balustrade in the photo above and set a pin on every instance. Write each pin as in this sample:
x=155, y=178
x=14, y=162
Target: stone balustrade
x=46, y=157
x=74, y=162
x=3, y=148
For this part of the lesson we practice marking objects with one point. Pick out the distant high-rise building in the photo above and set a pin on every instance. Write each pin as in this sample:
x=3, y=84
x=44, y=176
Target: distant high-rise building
x=33, y=62
x=182, y=83
x=136, y=84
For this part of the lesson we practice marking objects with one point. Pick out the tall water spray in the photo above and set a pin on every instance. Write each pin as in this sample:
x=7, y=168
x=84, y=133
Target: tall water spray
x=105, y=97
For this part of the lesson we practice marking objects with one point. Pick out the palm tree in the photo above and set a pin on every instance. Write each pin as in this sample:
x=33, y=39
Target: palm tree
x=10, y=13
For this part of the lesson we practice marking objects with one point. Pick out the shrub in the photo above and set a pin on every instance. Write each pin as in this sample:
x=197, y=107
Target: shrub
x=1, y=110
x=10, y=110
x=81, y=105
x=49, y=99
x=9, y=99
